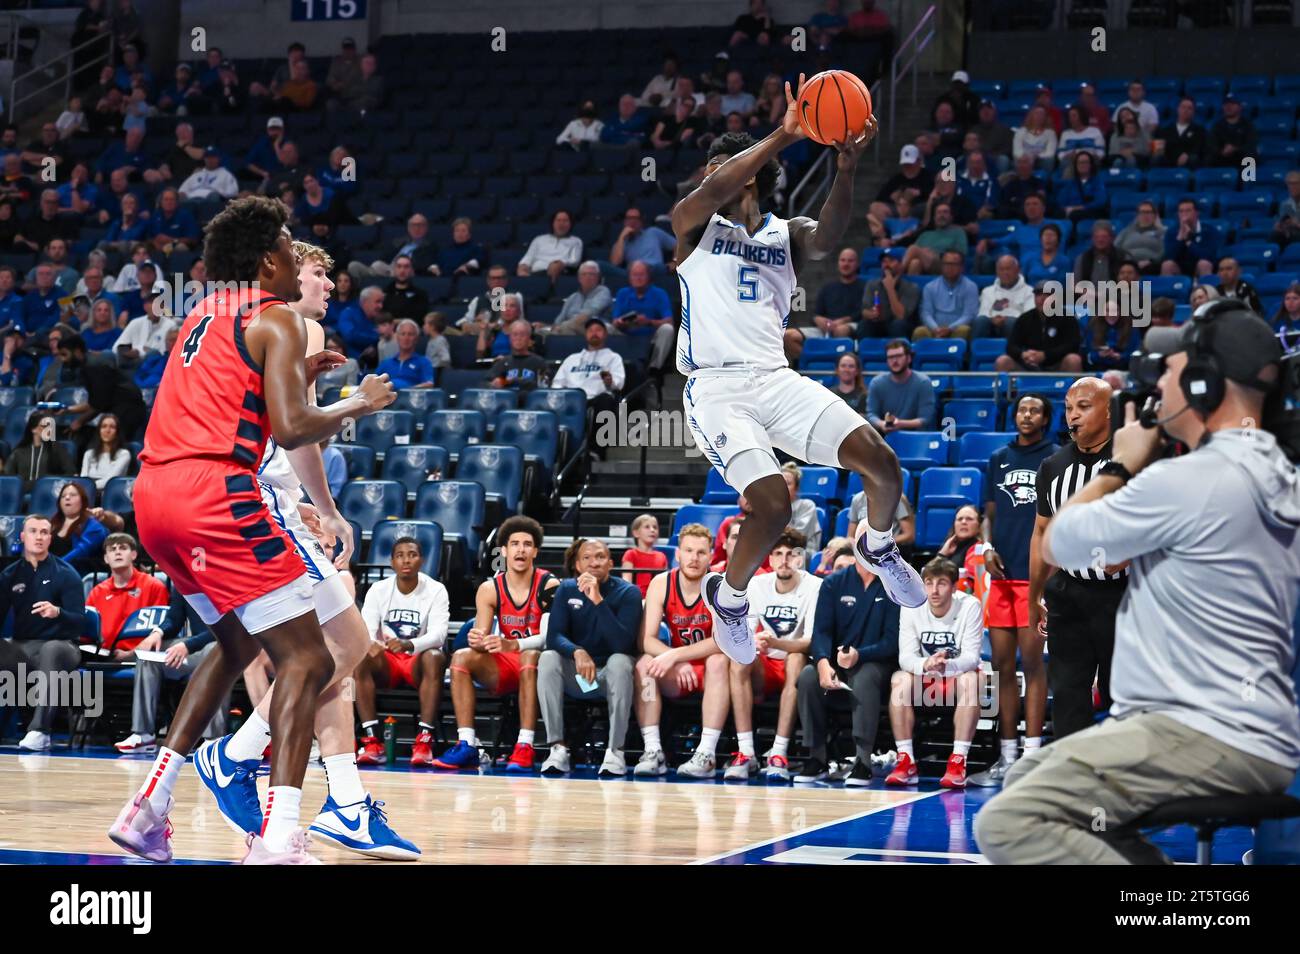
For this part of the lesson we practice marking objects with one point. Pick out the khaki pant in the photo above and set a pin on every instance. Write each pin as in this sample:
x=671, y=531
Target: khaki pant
x=962, y=331
x=1059, y=803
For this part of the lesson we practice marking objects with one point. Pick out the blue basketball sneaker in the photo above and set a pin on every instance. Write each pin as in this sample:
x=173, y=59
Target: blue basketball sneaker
x=362, y=827
x=459, y=758
x=233, y=784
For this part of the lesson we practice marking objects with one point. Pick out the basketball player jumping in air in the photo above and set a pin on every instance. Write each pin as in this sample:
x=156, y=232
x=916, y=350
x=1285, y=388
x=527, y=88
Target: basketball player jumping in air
x=737, y=268
x=228, y=767
x=237, y=378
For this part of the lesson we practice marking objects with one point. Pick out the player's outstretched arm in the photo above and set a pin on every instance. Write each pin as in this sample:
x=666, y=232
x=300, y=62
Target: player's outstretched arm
x=816, y=238
x=294, y=422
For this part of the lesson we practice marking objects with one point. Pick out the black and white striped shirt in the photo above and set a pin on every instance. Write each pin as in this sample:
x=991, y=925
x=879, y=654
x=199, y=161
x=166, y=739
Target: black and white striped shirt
x=1060, y=477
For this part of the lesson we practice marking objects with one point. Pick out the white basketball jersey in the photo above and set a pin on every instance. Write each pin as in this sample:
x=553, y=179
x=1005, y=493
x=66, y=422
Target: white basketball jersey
x=276, y=469
x=783, y=615
x=736, y=293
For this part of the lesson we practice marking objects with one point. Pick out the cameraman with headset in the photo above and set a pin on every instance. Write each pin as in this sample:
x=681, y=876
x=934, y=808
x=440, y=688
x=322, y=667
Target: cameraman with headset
x=1204, y=703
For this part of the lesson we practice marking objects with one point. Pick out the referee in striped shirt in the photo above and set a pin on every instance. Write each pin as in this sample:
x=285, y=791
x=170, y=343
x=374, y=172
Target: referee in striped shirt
x=1080, y=604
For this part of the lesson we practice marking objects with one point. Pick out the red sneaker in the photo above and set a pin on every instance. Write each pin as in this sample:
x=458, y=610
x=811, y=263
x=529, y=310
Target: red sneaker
x=371, y=751
x=422, y=750
x=904, y=772
x=955, y=776
x=266, y=753
x=521, y=759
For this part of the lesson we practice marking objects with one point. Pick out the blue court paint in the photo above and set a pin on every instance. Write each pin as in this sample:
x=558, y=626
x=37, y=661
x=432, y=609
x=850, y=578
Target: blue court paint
x=18, y=856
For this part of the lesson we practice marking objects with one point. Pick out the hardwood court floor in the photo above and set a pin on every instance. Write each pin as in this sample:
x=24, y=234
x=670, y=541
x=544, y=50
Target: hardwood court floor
x=56, y=808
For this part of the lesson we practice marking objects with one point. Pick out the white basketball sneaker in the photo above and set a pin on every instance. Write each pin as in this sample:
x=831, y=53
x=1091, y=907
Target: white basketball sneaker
x=651, y=763
x=731, y=626
x=901, y=581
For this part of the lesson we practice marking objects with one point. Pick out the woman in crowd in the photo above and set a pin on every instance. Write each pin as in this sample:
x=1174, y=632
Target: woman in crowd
x=345, y=375
x=1036, y=138
x=1286, y=320
x=76, y=535
x=107, y=458
x=38, y=454
x=803, y=512
x=1112, y=340
x=1083, y=195
x=848, y=382
x=1129, y=143
x=1143, y=239
x=1201, y=294
x=1049, y=263
x=965, y=533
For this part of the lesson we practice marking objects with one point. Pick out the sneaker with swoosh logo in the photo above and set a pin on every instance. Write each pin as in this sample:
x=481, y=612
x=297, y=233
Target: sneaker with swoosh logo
x=362, y=827
x=899, y=578
x=233, y=784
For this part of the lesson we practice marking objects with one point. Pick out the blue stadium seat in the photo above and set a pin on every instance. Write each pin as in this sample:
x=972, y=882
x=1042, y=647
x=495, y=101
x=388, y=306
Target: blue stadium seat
x=414, y=464
x=1053, y=385
x=1275, y=283
x=369, y=501
x=489, y=402
x=716, y=490
x=985, y=351
x=1167, y=179
x=500, y=469
x=979, y=385
x=943, y=490
x=382, y=430
x=45, y=493
x=853, y=485
x=569, y=405
x=919, y=449
x=969, y=414
x=15, y=397
x=708, y=514
x=117, y=495
x=536, y=433
x=11, y=495
x=386, y=533
x=360, y=460
x=871, y=349
x=1177, y=287
x=946, y=354
x=823, y=350
x=975, y=448
x=819, y=484
x=454, y=429
x=11, y=526
x=458, y=506
x=420, y=401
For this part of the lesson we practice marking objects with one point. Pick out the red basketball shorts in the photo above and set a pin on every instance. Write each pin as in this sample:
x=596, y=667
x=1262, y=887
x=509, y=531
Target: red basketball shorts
x=206, y=525
x=1008, y=605
x=401, y=668
x=773, y=676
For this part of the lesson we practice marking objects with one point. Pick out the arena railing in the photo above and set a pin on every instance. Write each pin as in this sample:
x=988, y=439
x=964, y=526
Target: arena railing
x=63, y=67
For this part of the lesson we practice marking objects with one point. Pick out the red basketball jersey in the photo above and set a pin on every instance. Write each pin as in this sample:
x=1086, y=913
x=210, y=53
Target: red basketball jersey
x=687, y=623
x=520, y=621
x=211, y=402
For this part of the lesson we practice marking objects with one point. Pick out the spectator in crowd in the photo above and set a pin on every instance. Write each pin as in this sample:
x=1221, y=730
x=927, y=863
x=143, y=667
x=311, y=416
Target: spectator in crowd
x=591, y=300
x=770, y=105
x=45, y=224
x=1287, y=227
x=554, y=254
x=11, y=297
x=15, y=367
x=642, y=555
x=964, y=537
x=1004, y=301
x=963, y=101
x=367, y=93
x=106, y=458
x=182, y=158
x=1232, y=137
x=345, y=68
x=1286, y=319
x=109, y=201
x=1146, y=113
x=889, y=303
x=345, y=375
x=263, y=158
x=48, y=147
x=584, y=130
x=129, y=229
x=127, y=28
x=839, y=303
x=1112, y=339
x=1047, y=262
x=336, y=467
x=803, y=512
x=1200, y=294
x=935, y=243
x=1162, y=313
x=1042, y=339
x=1101, y=260
x=939, y=646
x=288, y=178
x=173, y=226
x=904, y=524
x=412, y=244
x=1019, y=185
x=1143, y=239
x=1192, y=248
x=995, y=138
x=479, y=315
x=659, y=90
x=226, y=95
x=92, y=23
x=56, y=256
x=737, y=99
x=597, y=370
x=463, y=256
x=950, y=304
x=1232, y=285
x=182, y=94
x=756, y=26
x=103, y=331
x=678, y=126
x=825, y=25
x=50, y=373
x=1083, y=194
x=211, y=179
x=402, y=297
x=78, y=195
x=321, y=209
x=522, y=369
x=150, y=372
x=1079, y=136
x=343, y=297
x=1098, y=115
x=977, y=187
x=436, y=348
x=1182, y=142
x=144, y=333
x=848, y=382
x=1130, y=145
x=339, y=172
x=592, y=632
x=41, y=304
x=15, y=186
x=38, y=453
x=903, y=399
x=912, y=180
x=1036, y=139
x=49, y=612
x=947, y=131
x=407, y=369
x=127, y=154
x=76, y=536
x=854, y=647
x=637, y=243
x=642, y=309
x=126, y=591
x=627, y=127
x=108, y=390
x=266, y=92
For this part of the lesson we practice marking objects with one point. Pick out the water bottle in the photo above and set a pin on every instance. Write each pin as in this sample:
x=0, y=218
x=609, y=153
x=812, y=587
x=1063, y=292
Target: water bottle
x=390, y=740
x=236, y=720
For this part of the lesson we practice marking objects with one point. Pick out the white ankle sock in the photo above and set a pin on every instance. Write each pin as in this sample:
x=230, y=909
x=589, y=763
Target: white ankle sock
x=709, y=741
x=879, y=539
x=251, y=740
x=730, y=597
x=1010, y=750
x=1033, y=742
x=904, y=747
x=369, y=729
x=283, y=805
x=650, y=738
x=781, y=746
x=343, y=779
x=526, y=736
x=961, y=748
x=162, y=777
x=466, y=735
x=745, y=741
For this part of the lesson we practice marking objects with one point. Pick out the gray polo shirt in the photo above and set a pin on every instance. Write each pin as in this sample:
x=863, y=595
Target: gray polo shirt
x=912, y=399
x=1204, y=633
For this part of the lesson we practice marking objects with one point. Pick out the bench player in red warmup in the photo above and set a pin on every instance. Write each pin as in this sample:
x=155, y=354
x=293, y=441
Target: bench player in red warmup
x=237, y=378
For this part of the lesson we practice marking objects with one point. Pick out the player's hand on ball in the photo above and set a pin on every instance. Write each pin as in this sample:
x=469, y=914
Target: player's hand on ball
x=322, y=361
x=790, y=121
x=850, y=152
x=377, y=391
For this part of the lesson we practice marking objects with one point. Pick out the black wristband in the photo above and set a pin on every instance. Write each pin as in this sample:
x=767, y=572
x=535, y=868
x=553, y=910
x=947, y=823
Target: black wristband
x=1113, y=468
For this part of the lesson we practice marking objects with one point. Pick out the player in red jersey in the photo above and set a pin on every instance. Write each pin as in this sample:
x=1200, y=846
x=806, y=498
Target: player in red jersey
x=504, y=661
x=237, y=378
x=691, y=662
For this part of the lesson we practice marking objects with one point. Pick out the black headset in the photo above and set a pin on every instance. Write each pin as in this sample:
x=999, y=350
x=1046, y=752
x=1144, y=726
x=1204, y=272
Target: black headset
x=1202, y=381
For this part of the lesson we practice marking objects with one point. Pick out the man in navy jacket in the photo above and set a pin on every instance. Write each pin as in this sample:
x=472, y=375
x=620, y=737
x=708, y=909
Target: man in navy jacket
x=854, y=655
x=591, y=636
x=1191, y=249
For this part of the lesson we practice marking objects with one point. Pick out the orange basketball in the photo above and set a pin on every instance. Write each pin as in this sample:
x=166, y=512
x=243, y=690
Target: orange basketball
x=834, y=106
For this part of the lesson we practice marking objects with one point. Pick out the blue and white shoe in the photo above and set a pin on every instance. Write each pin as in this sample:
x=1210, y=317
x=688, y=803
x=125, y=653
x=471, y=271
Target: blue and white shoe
x=730, y=626
x=899, y=578
x=362, y=827
x=461, y=757
x=233, y=784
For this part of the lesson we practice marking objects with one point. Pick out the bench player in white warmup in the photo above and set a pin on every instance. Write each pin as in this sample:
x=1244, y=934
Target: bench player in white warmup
x=737, y=269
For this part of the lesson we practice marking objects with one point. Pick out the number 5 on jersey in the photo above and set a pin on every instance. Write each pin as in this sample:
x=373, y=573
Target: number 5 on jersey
x=747, y=283
x=190, y=349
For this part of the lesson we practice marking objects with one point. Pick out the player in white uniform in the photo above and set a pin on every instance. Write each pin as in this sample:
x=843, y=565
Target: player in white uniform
x=350, y=817
x=781, y=608
x=737, y=269
x=938, y=659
